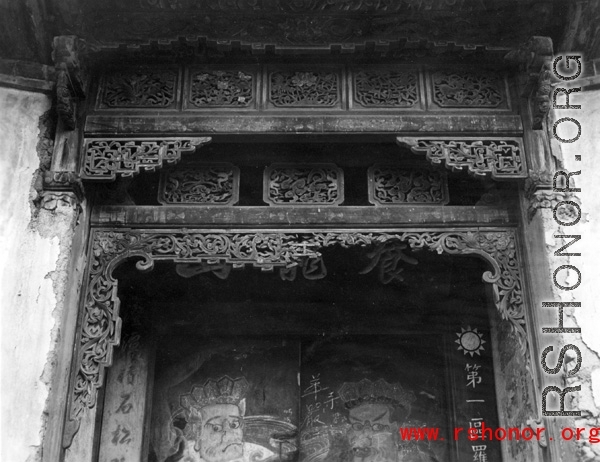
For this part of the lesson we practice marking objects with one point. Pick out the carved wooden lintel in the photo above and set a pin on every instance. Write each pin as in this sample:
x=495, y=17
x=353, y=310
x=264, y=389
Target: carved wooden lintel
x=100, y=324
x=502, y=158
x=107, y=158
x=534, y=60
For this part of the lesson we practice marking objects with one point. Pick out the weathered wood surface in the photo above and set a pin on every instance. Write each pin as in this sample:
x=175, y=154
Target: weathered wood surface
x=289, y=217
x=480, y=124
x=124, y=417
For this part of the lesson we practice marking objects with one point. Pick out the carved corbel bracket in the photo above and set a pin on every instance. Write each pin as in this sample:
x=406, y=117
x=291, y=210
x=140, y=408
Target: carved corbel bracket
x=62, y=188
x=106, y=158
x=540, y=194
x=70, y=83
x=502, y=158
x=534, y=63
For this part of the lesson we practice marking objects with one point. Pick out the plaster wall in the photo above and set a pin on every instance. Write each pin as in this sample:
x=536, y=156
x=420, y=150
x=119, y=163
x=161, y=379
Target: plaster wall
x=34, y=250
x=587, y=317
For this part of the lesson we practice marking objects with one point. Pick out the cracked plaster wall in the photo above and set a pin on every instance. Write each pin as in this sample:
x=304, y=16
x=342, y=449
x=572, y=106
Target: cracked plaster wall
x=587, y=317
x=35, y=248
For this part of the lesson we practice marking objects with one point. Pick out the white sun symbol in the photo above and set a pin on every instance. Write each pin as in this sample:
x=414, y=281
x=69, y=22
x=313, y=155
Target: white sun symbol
x=470, y=341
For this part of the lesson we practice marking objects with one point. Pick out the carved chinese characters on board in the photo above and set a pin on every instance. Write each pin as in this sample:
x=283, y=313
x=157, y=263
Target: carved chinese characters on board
x=303, y=184
x=200, y=184
x=391, y=185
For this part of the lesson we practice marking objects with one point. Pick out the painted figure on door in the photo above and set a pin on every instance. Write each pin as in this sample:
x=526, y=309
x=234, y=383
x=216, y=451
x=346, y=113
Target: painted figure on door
x=215, y=424
x=376, y=409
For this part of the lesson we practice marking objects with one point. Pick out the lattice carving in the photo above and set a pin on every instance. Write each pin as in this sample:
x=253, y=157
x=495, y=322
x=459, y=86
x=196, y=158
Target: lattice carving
x=465, y=89
x=385, y=88
x=221, y=89
x=391, y=185
x=503, y=158
x=303, y=184
x=304, y=89
x=105, y=158
x=100, y=325
x=200, y=184
x=145, y=88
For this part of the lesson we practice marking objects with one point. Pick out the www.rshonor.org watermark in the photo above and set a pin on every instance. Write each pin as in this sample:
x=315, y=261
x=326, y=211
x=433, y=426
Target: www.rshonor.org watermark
x=485, y=433
x=562, y=183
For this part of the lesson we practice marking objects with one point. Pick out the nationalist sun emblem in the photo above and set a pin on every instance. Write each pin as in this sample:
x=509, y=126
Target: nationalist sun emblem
x=470, y=341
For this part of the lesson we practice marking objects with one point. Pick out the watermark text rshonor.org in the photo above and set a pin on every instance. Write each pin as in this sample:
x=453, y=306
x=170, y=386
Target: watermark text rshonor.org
x=485, y=433
x=570, y=215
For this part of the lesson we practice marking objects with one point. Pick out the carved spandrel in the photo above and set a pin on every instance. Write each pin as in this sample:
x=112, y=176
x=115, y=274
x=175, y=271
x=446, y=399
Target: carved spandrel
x=381, y=88
x=502, y=158
x=200, y=184
x=314, y=88
x=303, y=184
x=107, y=158
x=221, y=88
x=391, y=185
x=143, y=88
x=100, y=324
x=467, y=89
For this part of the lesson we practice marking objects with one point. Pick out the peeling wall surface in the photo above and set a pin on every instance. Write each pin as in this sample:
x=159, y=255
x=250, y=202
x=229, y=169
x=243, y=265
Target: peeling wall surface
x=587, y=317
x=30, y=250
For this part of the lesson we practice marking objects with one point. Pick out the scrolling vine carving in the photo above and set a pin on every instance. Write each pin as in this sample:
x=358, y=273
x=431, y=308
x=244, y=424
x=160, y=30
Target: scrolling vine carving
x=502, y=158
x=146, y=88
x=100, y=325
x=460, y=89
x=105, y=158
x=386, y=88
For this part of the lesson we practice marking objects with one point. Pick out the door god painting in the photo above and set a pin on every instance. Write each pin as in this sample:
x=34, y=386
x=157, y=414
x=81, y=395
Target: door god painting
x=215, y=431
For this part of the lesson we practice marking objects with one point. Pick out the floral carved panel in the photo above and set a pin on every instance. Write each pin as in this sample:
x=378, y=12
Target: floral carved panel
x=463, y=89
x=107, y=158
x=221, y=88
x=303, y=184
x=200, y=184
x=144, y=88
x=392, y=185
x=305, y=88
x=100, y=324
x=385, y=88
x=502, y=158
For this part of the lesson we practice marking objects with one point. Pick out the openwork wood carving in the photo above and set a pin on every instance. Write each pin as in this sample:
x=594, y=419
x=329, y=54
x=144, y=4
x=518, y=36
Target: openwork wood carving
x=149, y=88
x=200, y=184
x=221, y=89
x=304, y=89
x=503, y=158
x=462, y=89
x=386, y=88
x=105, y=158
x=391, y=185
x=100, y=324
x=298, y=184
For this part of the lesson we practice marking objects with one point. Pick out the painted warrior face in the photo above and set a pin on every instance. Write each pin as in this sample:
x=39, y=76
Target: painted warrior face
x=220, y=433
x=372, y=434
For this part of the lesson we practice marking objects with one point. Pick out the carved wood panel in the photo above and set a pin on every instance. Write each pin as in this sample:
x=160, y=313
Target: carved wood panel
x=100, y=324
x=200, y=184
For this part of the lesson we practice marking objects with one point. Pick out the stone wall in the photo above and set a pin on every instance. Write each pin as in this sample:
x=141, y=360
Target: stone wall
x=37, y=275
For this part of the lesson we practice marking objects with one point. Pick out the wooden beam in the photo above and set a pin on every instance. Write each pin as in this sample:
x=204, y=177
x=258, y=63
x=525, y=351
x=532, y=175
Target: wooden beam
x=479, y=124
x=294, y=217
